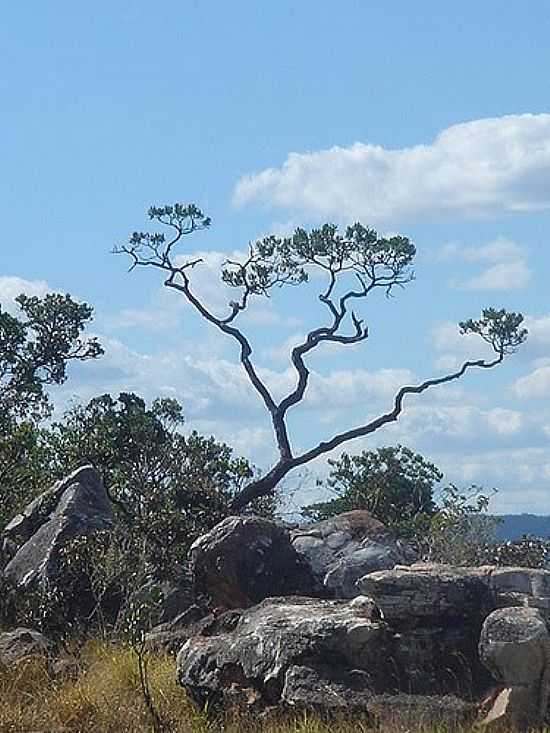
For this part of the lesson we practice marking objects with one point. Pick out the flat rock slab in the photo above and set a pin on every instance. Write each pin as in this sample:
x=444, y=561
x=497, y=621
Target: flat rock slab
x=422, y=591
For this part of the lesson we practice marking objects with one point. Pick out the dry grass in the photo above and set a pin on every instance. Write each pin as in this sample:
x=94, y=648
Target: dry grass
x=103, y=696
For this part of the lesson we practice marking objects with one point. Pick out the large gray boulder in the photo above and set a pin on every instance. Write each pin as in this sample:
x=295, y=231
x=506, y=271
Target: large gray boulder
x=344, y=548
x=515, y=646
x=243, y=560
x=290, y=652
x=78, y=505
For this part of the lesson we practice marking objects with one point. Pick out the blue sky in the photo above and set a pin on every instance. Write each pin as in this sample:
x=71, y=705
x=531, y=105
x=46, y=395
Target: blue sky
x=424, y=118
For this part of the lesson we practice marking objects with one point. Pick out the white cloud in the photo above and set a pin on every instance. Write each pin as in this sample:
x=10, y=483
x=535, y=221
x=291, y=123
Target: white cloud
x=535, y=384
x=153, y=319
x=12, y=286
x=513, y=275
x=498, y=164
x=505, y=422
x=539, y=330
x=507, y=268
x=498, y=250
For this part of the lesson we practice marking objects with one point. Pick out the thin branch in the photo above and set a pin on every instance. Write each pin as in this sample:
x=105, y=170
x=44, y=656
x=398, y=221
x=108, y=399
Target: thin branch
x=265, y=484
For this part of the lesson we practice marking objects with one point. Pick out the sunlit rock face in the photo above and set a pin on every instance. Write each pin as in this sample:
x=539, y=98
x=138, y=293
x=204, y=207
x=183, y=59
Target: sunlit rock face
x=78, y=505
x=419, y=639
x=344, y=548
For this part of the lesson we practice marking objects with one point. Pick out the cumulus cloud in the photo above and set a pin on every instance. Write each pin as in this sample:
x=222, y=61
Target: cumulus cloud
x=11, y=286
x=506, y=266
x=502, y=276
x=535, y=384
x=499, y=164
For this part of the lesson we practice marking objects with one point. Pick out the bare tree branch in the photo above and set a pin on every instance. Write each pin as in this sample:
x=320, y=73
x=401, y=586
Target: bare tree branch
x=375, y=262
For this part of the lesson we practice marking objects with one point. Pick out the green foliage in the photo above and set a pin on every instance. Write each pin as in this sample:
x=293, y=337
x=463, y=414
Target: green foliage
x=286, y=260
x=403, y=490
x=23, y=467
x=394, y=484
x=498, y=328
x=167, y=487
x=35, y=349
x=459, y=531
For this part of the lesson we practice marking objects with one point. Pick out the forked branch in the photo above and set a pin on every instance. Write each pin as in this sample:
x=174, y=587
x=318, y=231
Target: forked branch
x=374, y=262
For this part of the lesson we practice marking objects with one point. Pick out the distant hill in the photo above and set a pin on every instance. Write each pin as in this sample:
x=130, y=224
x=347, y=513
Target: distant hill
x=514, y=526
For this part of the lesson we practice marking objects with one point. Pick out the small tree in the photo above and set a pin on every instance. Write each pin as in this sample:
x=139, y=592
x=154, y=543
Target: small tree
x=394, y=484
x=167, y=487
x=35, y=348
x=355, y=264
x=404, y=491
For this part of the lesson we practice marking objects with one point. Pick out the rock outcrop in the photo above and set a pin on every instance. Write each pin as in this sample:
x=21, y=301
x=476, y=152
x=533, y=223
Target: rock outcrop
x=243, y=560
x=344, y=548
x=77, y=505
x=22, y=643
x=435, y=632
x=515, y=646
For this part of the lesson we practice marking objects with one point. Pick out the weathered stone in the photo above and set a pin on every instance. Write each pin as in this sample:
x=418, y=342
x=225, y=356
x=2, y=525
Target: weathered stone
x=422, y=591
x=342, y=549
x=37, y=512
x=282, y=647
x=325, y=689
x=243, y=560
x=77, y=506
x=515, y=646
x=195, y=621
x=175, y=597
x=22, y=643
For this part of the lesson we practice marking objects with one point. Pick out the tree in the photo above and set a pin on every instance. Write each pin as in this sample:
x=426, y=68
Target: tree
x=354, y=264
x=404, y=491
x=167, y=487
x=394, y=484
x=35, y=348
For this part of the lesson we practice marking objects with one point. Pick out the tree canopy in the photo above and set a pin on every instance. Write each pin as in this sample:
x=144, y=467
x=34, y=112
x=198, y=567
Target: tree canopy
x=394, y=484
x=35, y=349
x=353, y=263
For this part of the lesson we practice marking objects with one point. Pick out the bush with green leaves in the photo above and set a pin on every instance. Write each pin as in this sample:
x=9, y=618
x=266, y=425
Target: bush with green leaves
x=36, y=345
x=460, y=529
x=404, y=491
x=167, y=487
x=393, y=484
